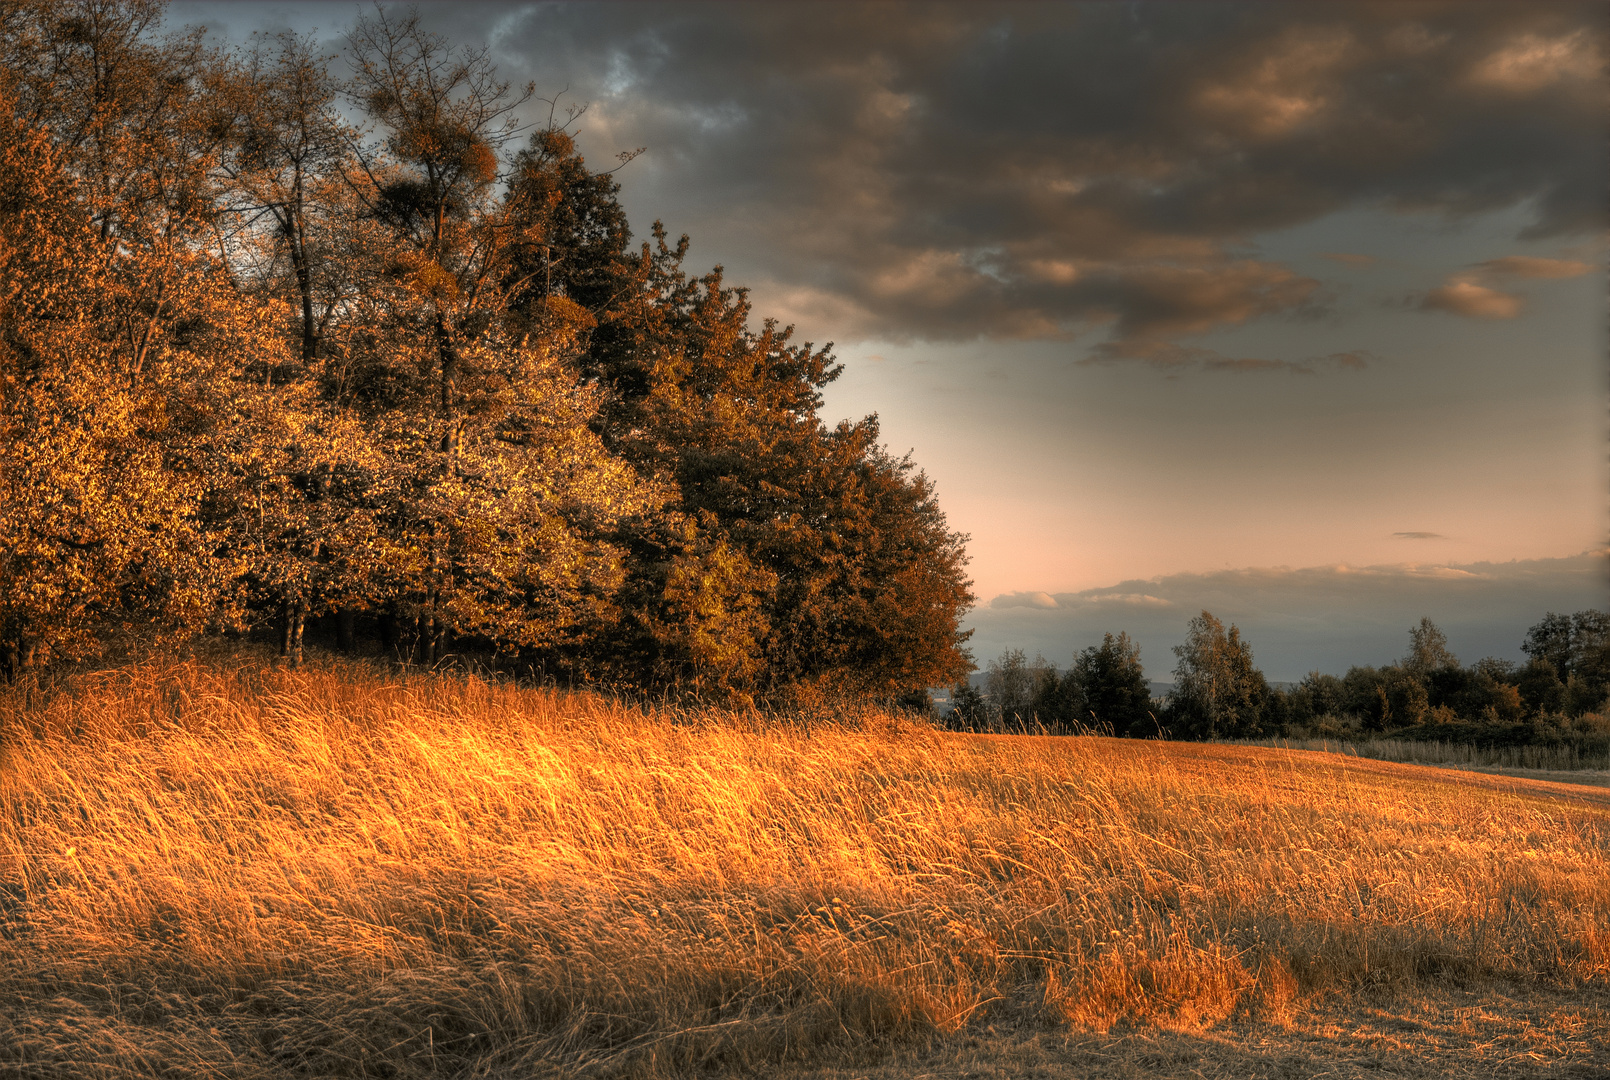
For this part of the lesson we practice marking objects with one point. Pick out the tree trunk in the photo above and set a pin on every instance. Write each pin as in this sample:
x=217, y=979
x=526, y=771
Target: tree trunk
x=391, y=635
x=304, y=285
x=346, y=637
x=286, y=618
x=295, y=621
x=298, y=623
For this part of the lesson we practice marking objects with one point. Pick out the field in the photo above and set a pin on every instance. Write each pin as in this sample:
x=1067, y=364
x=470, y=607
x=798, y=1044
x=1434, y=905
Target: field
x=220, y=869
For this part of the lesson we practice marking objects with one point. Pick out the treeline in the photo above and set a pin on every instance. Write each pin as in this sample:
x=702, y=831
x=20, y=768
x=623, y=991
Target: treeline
x=1219, y=693
x=410, y=383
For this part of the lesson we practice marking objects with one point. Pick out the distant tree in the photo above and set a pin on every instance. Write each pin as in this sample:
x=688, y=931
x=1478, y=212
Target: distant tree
x=1114, y=687
x=968, y=709
x=1428, y=651
x=1218, y=692
x=1011, y=686
x=1541, y=688
x=1316, y=697
x=1553, y=638
x=1584, y=695
x=1407, y=701
x=1489, y=693
x=1590, y=646
x=1577, y=649
x=1059, y=703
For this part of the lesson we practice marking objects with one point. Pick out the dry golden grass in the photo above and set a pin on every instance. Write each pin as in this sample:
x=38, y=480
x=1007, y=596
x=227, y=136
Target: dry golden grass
x=222, y=869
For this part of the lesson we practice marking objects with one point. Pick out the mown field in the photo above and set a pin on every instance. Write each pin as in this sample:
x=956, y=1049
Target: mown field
x=220, y=869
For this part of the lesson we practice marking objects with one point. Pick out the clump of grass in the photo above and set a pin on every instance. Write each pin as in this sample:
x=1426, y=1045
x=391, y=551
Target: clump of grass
x=225, y=869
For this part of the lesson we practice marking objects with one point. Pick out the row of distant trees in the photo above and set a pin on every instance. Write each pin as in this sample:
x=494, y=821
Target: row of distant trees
x=407, y=381
x=1219, y=692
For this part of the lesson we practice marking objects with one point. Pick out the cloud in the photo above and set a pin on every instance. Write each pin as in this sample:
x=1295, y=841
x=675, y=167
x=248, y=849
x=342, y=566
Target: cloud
x=1005, y=171
x=1534, y=62
x=1526, y=266
x=1463, y=296
x=1022, y=599
x=1471, y=293
x=1356, y=261
x=1172, y=357
x=1297, y=620
x=1420, y=536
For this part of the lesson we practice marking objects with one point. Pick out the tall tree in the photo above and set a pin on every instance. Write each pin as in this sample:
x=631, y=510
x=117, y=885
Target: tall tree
x=287, y=158
x=510, y=499
x=867, y=582
x=1115, y=691
x=1428, y=651
x=117, y=409
x=1218, y=692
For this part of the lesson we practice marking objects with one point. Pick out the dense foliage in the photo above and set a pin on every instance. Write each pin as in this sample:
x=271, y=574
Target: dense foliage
x=410, y=384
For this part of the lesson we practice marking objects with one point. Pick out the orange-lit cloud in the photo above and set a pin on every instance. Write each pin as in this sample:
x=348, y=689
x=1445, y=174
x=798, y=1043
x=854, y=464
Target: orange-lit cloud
x=1527, y=266
x=1473, y=295
x=1287, y=81
x=1463, y=296
x=1535, y=62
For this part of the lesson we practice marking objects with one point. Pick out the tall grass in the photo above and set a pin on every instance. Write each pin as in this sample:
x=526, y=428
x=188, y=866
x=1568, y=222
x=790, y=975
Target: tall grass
x=1546, y=758
x=223, y=869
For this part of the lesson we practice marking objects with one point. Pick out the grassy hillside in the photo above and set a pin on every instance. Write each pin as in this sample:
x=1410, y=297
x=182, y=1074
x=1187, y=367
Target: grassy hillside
x=222, y=869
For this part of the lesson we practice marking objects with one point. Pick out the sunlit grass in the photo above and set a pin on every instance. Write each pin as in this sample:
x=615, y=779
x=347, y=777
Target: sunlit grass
x=226, y=869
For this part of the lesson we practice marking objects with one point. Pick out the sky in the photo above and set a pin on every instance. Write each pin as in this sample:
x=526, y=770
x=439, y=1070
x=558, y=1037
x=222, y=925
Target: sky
x=1293, y=312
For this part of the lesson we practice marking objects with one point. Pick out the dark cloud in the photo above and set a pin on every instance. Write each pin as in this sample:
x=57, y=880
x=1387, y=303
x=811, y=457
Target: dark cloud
x=1324, y=618
x=945, y=172
x=1419, y=536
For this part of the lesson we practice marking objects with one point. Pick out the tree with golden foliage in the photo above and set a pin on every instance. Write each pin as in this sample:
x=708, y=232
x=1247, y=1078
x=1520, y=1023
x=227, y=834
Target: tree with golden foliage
x=264, y=369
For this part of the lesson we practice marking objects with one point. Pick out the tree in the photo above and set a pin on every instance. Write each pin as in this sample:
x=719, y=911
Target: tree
x=582, y=254
x=1573, y=644
x=1552, y=639
x=507, y=528
x=118, y=365
x=1541, y=688
x=968, y=709
x=1428, y=651
x=1576, y=648
x=1218, y=693
x=261, y=368
x=289, y=152
x=867, y=582
x=1114, y=688
x=1011, y=684
x=1317, y=696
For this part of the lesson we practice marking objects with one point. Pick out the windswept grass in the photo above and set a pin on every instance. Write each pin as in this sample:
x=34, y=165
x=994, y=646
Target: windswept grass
x=214, y=870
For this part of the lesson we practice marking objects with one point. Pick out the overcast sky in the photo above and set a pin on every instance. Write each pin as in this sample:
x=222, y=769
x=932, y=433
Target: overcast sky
x=1296, y=312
